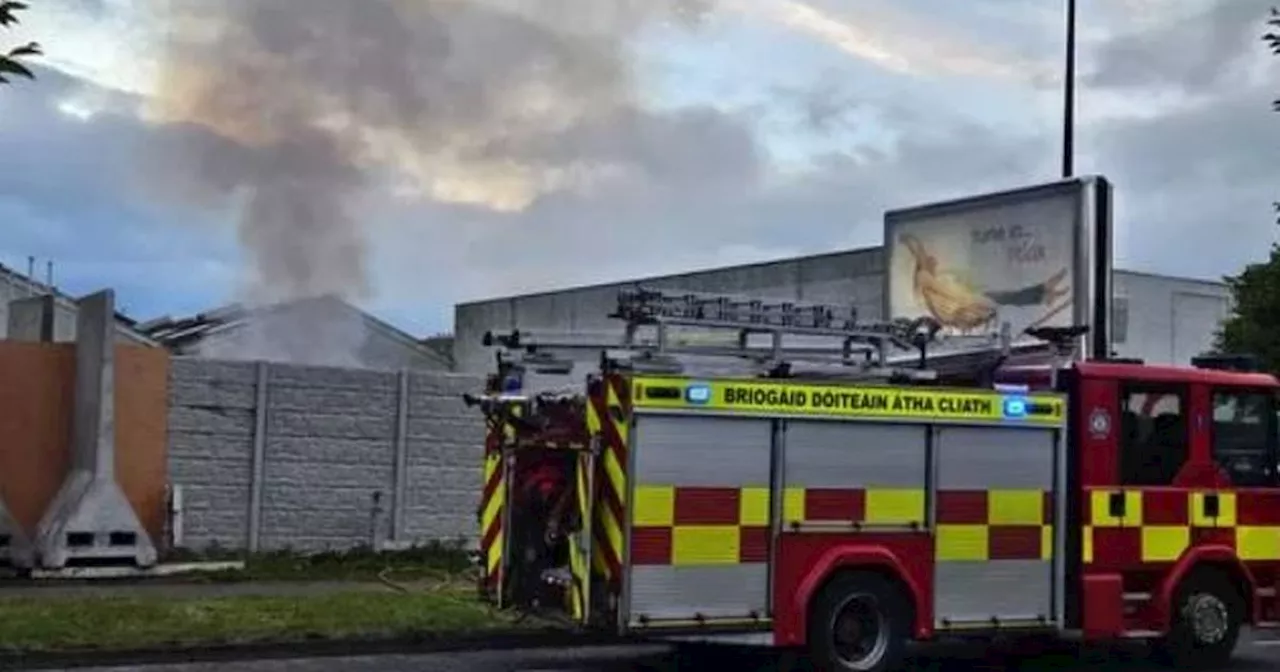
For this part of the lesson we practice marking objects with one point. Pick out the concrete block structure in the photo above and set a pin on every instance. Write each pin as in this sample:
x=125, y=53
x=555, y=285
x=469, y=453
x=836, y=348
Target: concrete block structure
x=15, y=547
x=90, y=518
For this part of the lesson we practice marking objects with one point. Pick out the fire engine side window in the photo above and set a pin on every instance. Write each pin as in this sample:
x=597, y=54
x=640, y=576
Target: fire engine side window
x=1154, y=432
x=1243, y=439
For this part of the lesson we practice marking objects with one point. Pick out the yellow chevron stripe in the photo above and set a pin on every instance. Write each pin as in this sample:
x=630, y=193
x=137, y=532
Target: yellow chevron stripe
x=597, y=561
x=492, y=508
x=577, y=555
x=617, y=478
x=612, y=531
x=491, y=462
x=494, y=559
x=619, y=424
x=593, y=419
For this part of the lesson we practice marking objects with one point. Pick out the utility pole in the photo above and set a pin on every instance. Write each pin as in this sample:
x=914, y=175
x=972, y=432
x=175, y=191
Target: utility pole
x=1069, y=95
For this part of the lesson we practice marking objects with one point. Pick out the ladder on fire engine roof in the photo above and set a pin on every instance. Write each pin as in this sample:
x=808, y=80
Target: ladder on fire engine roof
x=852, y=348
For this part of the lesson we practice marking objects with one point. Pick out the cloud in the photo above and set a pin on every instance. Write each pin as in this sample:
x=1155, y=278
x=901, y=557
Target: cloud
x=681, y=224
x=534, y=159
x=890, y=38
x=69, y=195
x=1197, y=52
x=1194, y=186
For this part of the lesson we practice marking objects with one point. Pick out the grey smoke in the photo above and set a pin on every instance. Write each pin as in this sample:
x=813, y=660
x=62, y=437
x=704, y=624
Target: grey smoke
x=304, y=104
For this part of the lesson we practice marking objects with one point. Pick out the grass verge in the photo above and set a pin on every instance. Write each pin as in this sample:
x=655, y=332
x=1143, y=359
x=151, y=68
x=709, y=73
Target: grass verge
x=115, y=624
x=443, y=561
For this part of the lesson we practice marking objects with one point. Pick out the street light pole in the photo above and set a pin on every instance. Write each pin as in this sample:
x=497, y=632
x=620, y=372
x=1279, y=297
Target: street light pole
x=1069, y=95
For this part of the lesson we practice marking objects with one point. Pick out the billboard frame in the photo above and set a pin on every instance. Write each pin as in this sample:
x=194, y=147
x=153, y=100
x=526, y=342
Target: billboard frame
x=1092, y=242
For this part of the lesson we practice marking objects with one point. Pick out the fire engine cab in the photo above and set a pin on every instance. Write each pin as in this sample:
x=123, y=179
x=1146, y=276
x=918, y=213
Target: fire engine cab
x=805, y=484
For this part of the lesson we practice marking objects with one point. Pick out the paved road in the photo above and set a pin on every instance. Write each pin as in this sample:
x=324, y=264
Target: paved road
x=1254, y=656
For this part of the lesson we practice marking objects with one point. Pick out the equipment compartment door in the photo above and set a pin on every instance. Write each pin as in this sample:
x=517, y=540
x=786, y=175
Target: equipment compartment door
x=995, y=533
x=845, y=476
x=699, y=519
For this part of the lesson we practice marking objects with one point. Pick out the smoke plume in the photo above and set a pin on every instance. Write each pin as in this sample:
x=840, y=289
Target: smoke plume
x=300, y=106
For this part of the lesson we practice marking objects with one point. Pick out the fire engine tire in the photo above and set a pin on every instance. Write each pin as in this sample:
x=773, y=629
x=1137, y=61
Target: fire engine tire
x=1208, y=613
x=859, y=623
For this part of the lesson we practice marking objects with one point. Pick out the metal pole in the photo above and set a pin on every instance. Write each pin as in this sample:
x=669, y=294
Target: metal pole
x=1069, y=95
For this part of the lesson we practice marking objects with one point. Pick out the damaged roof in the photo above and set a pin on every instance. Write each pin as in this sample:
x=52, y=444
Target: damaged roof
x=183, y=334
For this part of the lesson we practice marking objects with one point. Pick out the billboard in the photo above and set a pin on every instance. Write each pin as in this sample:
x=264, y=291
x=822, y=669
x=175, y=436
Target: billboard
x=1031, y=257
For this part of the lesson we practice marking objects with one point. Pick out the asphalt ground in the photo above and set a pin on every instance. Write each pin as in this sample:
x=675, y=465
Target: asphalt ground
x=1255, y=654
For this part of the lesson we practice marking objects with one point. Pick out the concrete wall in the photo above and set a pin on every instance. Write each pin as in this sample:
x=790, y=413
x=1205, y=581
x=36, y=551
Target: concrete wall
x=272, y=456
x=1160, y=332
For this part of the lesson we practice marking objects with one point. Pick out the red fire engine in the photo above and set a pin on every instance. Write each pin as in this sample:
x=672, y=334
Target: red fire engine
x=836, y=498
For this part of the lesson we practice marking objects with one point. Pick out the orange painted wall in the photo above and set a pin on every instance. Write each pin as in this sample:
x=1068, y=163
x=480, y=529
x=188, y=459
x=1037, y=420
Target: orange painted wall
x=142, y=432
x=37, y=383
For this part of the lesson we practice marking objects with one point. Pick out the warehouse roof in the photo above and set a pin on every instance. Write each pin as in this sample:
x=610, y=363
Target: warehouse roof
x=181, y=334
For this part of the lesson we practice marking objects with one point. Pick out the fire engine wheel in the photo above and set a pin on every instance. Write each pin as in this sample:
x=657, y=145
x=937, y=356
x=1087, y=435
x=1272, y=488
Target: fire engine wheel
x=1208, y=613
x=859, y=623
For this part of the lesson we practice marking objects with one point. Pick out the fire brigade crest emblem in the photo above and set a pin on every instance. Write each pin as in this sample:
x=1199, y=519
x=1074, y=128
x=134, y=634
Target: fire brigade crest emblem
x=1100, y=423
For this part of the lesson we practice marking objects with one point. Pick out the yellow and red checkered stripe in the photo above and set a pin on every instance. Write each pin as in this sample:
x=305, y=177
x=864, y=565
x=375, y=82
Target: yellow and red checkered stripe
x=994, y=525
x=1158, y=525
x=865, y=506
x=699, y=526
x=608, y=419
x=709, y=526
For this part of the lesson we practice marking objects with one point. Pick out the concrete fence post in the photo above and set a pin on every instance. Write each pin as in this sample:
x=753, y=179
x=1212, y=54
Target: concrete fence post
x=399, y=492
x=257, y=472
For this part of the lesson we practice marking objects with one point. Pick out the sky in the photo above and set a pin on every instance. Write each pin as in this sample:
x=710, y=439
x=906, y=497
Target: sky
x=411, y=154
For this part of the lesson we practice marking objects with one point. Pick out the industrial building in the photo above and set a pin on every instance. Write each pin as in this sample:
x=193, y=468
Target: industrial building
x=22, y=303
x=1157, y=318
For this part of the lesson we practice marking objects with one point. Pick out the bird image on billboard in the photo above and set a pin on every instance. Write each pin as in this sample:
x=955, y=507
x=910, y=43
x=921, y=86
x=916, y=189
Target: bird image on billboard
x=958, y=303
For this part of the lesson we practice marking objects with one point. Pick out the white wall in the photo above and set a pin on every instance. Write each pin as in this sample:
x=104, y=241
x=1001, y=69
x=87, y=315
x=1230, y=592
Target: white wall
x=1166, y=320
